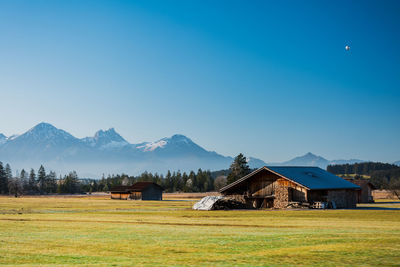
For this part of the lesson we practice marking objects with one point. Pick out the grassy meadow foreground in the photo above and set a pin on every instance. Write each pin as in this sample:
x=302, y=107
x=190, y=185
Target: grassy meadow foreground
x=99, y=231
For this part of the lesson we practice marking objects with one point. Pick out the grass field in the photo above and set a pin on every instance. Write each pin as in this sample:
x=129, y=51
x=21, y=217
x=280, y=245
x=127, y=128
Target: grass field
x=97, y=231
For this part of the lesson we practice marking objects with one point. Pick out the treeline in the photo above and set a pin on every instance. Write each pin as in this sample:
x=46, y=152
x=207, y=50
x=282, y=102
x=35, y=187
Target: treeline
x=32, y=183
x=382, y=175
x=40, y=182
x=47, y=183
x=200, y=181
x=364, y=168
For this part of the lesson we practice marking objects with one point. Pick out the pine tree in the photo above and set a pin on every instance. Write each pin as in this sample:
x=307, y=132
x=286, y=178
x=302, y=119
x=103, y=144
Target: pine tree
x=42, y=179
x=32, y=182
x=51, y=183
x=193, y=182
x=238, y=168
x=3, y=180
x=24, y=180
x=8, y=172
x=168, y=182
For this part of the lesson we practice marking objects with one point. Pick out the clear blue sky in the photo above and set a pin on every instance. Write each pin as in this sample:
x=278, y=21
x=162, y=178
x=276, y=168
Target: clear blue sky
x=270, y=79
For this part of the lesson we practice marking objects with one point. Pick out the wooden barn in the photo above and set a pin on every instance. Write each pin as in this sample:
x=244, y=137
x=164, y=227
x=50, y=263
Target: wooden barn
x=365, y=194
x=281, y=187
x=138, y=191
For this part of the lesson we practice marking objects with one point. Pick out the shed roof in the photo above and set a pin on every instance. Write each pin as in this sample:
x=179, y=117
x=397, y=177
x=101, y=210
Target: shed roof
x=312, y=178
x=360, y=182
x=136, y=187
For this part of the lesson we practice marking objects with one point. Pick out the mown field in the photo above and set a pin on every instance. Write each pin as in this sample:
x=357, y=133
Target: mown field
x=97, y=231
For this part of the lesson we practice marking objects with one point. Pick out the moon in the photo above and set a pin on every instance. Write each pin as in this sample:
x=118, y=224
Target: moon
x=347, y=48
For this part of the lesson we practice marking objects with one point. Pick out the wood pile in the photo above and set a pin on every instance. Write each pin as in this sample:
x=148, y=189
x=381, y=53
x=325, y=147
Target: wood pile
x=229, y=204
x=298, y=205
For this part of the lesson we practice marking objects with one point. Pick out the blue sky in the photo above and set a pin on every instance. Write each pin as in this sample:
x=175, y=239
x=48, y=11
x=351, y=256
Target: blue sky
x=270, y=79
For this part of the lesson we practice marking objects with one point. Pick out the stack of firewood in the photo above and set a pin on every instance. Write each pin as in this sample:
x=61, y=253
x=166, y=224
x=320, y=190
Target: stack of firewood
x=229, y=204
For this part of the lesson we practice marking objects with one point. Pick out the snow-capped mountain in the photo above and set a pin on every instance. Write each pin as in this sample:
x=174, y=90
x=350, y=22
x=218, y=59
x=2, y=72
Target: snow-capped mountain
x=44, y=141
x=105, y=152
x=397, y=163
x=108, y=152
x=3, y=139
x=106, y=139
x=176, y=145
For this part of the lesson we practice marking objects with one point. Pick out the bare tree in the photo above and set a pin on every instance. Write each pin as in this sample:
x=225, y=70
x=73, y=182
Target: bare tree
x=219, y=182
x=15, y=186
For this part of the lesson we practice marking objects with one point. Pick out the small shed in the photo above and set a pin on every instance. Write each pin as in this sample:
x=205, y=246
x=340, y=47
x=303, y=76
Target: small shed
x=138, y=191
x=365, y=194
x=280, y=187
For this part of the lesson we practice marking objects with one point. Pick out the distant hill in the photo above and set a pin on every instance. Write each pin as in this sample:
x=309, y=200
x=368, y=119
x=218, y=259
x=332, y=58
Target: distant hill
x=397, y=163
x=311, y=159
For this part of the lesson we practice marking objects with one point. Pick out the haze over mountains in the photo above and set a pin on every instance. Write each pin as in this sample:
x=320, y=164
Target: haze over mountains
x=108, y=152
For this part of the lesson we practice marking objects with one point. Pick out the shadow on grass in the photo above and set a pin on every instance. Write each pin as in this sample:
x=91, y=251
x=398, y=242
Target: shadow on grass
x=377, y=206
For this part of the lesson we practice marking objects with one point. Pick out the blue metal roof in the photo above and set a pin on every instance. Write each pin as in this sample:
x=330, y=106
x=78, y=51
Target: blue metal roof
x=313, y=177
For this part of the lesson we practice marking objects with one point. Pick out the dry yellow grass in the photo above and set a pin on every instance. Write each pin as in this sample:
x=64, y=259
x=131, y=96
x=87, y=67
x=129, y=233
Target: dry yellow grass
x=97, y=231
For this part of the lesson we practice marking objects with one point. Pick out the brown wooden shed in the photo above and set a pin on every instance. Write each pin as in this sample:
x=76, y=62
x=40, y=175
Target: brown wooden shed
x=280, y=187
x=138, y=191
x=365, y=194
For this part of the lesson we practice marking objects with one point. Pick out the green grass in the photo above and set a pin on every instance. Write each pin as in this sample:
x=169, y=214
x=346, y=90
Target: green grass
x=102, y=232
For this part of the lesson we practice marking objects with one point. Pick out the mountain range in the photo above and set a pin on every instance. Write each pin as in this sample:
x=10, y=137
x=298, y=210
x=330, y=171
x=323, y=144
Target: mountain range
x=108, y=152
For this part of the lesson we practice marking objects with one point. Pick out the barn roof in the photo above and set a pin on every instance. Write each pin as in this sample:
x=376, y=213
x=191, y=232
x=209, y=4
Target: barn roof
x=360, y=182
x=136, y=187
x=312, y=178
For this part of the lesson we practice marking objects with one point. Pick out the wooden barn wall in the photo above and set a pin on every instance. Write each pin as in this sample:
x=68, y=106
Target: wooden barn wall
x=152, y=192
x=365, y=194
x=344, y=199
x=125, y=196
x=136, y=195
x=115, y=196
x=119, y=196
x=262, y=185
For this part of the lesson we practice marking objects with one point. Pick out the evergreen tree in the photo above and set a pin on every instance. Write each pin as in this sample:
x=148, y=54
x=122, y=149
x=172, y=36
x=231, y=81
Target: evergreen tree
x=32, y=182
x=42, y=179
x=8, y=172
x=51, y=183
x=105, y=188
x=168, y=184
x=238, y=168
x=3, y=180
x=24, y=180
x=192, y=182
x=70, y=184
x=185, y=179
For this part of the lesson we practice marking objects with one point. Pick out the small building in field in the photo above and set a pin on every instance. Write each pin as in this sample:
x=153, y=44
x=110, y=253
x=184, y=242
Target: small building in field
x=365, y=194
x=138, y=191
x=281, y=187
